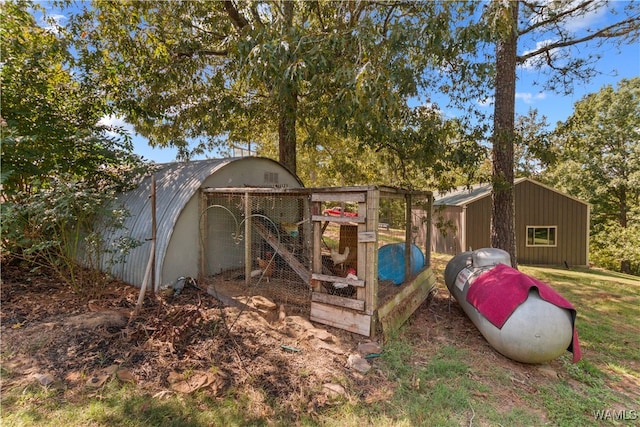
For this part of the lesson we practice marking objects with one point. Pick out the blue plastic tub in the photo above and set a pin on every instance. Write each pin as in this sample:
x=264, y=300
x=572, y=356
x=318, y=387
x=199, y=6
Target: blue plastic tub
x=391, y=262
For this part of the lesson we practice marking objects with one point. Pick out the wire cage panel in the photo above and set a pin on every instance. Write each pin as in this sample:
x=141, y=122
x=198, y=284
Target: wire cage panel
x=316, y=251
x=259, y=243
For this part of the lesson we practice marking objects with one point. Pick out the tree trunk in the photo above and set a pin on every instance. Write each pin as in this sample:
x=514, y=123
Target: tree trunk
x=625, y=267
x=503, y=208
x=288, y=109
x=287, y=132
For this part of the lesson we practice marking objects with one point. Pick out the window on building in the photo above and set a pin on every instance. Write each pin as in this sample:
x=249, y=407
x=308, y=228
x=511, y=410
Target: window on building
x=541, y=236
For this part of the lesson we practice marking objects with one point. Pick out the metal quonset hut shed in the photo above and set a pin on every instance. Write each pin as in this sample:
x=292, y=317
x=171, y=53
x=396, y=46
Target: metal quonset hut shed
x=551, y=227
x=177, y=213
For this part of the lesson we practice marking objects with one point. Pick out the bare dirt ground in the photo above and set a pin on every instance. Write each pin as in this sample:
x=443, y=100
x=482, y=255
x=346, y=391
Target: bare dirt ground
x=176, y=344
x=191, y=342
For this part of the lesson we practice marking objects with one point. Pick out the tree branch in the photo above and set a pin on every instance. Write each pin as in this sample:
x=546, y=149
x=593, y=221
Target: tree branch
x=554, y=19
x=387, y=18
x=217, y=35
x=319, y=14
x=618, y=29
x=203, y=52
x=237, y=19
x=256, y=15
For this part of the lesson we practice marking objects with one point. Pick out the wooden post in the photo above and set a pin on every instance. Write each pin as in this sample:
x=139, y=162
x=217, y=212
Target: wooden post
x=154, y=226
x=148, y=271
x=248, y=261
x=316, y=262
x=407, y=237
x=204, y=236
x=368, y=261
x=427, y=243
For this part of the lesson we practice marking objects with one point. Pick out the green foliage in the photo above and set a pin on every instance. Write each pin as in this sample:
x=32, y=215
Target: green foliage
x=55, y=228
x=324, y=75
x=426, y=151
x=610, y=243
x=598, y=160
x=532, y=151
x=50, y=111
x=521, y=25
x=59, y=167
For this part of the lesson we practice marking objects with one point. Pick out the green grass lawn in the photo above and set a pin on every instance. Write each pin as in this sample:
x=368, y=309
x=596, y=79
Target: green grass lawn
x=452, y=383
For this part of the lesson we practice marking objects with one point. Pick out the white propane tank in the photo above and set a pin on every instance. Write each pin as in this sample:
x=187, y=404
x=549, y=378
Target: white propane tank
x=490, y=257
x=536, y=332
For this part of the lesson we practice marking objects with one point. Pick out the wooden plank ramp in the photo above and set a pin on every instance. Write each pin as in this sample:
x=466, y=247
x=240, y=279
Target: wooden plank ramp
x=341, y=317
x=281, y=250
x=338, y=301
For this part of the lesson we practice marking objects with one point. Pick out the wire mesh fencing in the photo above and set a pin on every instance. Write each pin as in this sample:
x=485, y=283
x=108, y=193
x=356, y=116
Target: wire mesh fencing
x=259, y=244
x=262, y=243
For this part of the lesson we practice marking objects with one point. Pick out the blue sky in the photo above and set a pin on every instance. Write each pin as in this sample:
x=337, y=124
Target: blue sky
x=614, y=65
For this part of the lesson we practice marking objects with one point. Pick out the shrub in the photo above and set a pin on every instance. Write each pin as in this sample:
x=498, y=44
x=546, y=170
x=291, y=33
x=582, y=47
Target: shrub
x=60, y=227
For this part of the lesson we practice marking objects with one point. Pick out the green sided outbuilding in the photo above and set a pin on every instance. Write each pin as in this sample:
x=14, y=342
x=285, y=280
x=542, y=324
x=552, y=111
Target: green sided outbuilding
x=552, y=228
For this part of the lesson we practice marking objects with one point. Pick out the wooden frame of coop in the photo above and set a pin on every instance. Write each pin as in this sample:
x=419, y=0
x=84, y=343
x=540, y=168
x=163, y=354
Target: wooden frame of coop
x=366, y=312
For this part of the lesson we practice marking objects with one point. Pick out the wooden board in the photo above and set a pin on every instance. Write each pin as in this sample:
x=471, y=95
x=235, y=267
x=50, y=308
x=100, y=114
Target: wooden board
x=367, y=237
x=342, y=318
x=316, y=261
x=368, y=252
x=338, y=197
x=394, y=312
x=290, y=259
x=341, y=219
x=338, y=301
x=328, y=278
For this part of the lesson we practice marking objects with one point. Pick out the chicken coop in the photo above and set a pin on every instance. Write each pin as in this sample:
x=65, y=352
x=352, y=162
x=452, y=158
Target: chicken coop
x=356, y=258
x=175, y=209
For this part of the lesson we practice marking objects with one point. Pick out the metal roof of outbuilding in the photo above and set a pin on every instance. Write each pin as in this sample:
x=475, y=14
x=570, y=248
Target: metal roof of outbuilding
x=465, y=195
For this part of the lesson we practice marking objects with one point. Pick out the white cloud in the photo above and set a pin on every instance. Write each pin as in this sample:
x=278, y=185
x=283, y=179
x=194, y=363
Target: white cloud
x=52, y=22
x=116, y=121
x=529, y=98
x=581, y=19
x=586, y=21
x=57, y=18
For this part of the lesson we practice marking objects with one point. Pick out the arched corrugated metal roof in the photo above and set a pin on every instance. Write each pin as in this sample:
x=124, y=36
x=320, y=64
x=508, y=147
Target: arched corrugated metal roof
x=176, y=184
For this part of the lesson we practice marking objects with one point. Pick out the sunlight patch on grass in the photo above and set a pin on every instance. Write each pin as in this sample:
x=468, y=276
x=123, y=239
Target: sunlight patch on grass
x=622, y=370
x=570, y=408
x=511, y=417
